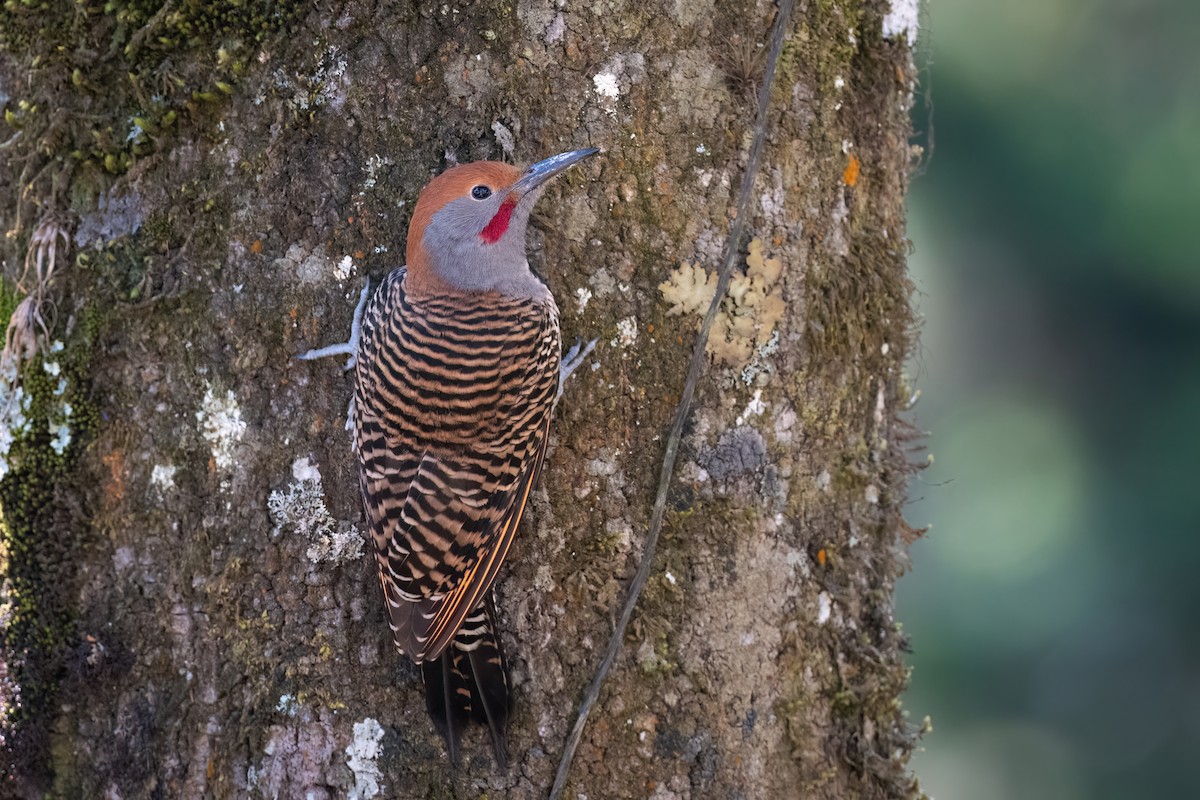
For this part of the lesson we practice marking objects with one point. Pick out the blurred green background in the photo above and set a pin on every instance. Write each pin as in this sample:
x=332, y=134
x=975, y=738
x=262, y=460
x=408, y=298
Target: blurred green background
x=1053, y=606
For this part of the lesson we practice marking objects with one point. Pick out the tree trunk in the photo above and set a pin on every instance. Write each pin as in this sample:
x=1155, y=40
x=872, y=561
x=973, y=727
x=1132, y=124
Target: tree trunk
x=189, y=613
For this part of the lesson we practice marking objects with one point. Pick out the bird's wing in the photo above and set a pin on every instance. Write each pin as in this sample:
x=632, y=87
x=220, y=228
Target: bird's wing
x=438, y=616
x=440, y=547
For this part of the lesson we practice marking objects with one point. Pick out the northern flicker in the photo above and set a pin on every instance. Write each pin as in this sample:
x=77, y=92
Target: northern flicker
x=457, y=371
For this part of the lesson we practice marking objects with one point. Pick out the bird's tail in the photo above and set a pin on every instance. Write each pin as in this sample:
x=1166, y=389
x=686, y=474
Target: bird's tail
x=469, y=681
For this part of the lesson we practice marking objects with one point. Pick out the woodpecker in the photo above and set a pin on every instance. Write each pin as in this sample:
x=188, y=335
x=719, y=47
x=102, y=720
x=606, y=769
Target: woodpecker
x=457, y=369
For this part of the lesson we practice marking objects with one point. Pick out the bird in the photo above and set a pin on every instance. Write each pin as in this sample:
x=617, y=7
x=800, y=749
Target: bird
x=457, y=369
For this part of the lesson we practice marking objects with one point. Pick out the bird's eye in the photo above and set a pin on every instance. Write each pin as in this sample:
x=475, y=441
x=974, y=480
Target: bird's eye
x=481, y=193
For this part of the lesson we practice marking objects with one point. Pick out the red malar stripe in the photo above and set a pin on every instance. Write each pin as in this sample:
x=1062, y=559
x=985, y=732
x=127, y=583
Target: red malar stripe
x=499, y=224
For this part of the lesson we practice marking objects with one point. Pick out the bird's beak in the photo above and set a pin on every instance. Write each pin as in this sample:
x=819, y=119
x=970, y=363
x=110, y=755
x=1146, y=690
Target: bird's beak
x=547, y=168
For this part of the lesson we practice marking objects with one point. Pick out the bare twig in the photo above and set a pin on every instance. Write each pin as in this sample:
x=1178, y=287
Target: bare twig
x=695, y=368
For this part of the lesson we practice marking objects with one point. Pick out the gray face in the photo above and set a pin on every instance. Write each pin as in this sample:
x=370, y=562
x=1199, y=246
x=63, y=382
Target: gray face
x=463, y=258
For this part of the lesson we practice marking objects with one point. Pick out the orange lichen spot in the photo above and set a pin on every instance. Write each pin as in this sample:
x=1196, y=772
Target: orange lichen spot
x=822, y=556
x=294, y=313
x=115, y=461
x=350, y=220
x=359, y=255
x=650, y=328
x=850, y=175
x=256, y=246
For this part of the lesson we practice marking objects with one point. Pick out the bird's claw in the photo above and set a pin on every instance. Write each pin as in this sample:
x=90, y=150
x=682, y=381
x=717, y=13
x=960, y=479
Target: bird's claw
x=572, y=359
x=349, y=348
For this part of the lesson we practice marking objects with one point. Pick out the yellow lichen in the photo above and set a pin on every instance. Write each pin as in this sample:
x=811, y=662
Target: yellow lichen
x=750, y=311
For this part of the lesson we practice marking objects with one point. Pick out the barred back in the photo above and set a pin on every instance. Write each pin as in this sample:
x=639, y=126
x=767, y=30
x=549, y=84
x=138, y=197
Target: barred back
x=453, y=397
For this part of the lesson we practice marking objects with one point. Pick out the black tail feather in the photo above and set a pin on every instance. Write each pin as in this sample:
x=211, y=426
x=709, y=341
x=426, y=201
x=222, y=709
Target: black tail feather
x=469, y=681
x=492, y=699
x=444, y=701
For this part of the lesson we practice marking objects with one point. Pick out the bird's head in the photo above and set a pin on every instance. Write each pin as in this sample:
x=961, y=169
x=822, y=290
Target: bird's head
x=468, y=229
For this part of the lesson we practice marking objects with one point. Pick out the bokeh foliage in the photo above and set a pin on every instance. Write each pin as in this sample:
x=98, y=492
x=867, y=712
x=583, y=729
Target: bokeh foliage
x=1053, y=605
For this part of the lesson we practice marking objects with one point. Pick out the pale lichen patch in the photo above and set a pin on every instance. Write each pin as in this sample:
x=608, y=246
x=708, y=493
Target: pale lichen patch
x=749, y=312
x=755, y=407
x=903, y=18
x=583, y=296
x=606, y=85
x=504, y=138
x=302, y=508
x=824, y=608
x=162, y=477
x=689, y=290
x=310, y=266
x=627, y=333
x=221, y=425
x=362, y=757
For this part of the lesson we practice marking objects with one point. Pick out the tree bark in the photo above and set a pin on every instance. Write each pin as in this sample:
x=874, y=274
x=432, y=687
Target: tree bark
x=187, y=613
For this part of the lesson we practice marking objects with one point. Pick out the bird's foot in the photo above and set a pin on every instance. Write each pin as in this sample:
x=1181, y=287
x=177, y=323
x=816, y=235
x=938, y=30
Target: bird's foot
x=571, y=361
x=349, y=348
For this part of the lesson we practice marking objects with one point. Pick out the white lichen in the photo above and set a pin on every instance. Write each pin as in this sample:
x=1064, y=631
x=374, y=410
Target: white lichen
x=14, y=410
x=755, y=407
x=824, y=608
x=325, y=86
x=304, y=470
x=903, y=17
x=221, y=425
x=583, y=296
x=627, y=333
x=309, y=266
x=606, y=85
x=61, y=433
x=759, y=364
x=301, y=507
x=162, y=477
x=373, y=165
x=287, y=705
x=556, y=29
x=362, y=756
x=344, y=268
x=59, y=427
x=504, y=138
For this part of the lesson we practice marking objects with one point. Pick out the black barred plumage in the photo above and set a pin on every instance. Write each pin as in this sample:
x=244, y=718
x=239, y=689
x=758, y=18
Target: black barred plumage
x=451, y=432
x=456, y=378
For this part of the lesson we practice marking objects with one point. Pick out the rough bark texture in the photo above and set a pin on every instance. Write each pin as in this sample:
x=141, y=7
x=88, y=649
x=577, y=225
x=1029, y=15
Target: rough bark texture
x=230, y=176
